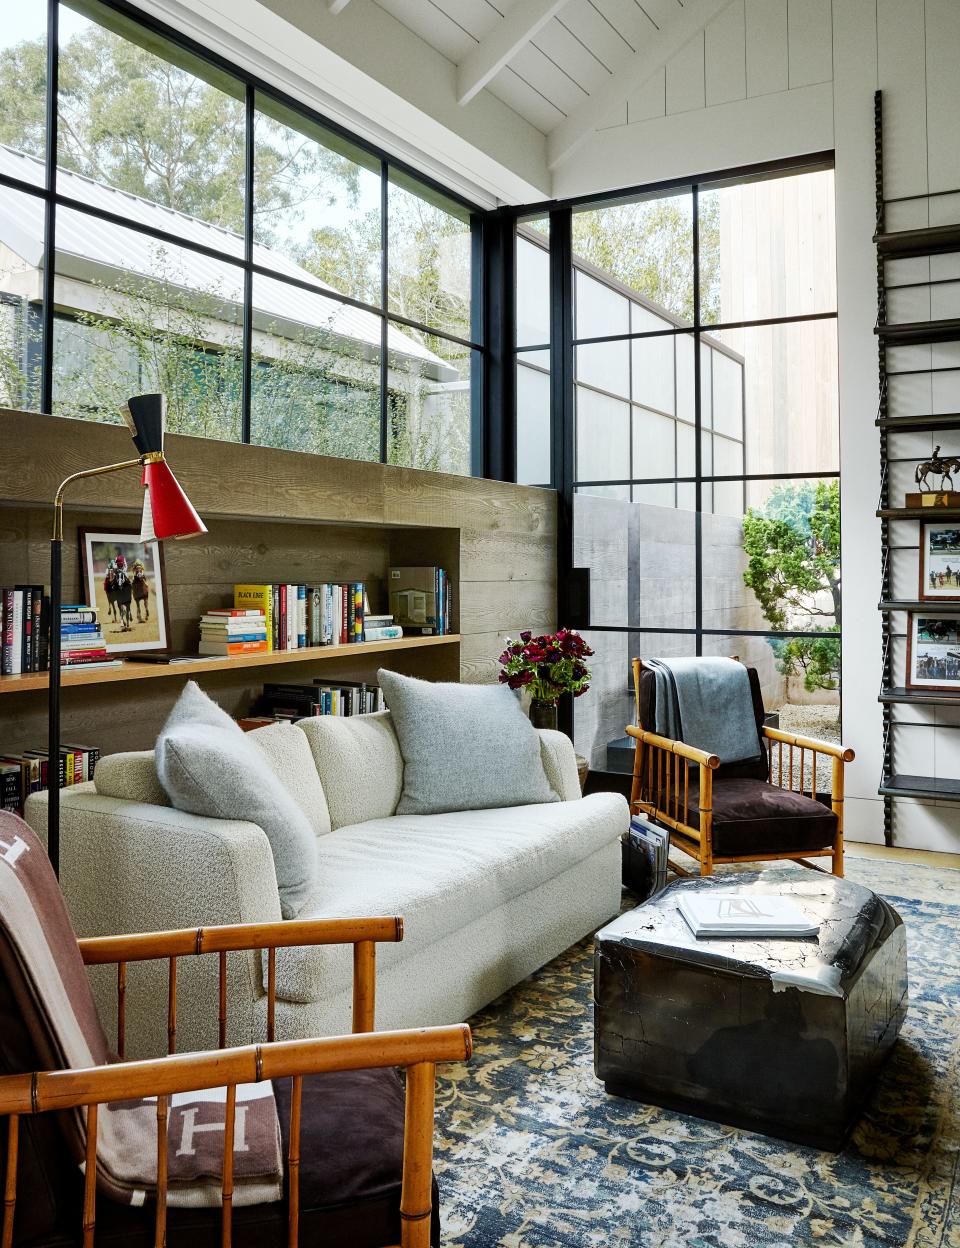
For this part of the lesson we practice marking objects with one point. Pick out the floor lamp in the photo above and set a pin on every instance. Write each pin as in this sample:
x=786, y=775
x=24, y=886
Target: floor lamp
x=167, y=512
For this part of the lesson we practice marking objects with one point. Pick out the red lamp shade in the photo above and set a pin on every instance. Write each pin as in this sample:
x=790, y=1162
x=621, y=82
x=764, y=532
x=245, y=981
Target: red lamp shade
x=167, y=512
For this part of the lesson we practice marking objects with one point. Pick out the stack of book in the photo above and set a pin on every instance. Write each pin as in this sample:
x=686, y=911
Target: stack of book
x=420, y=599
x=298, y=616
x=29, y=772
x=297, y=701
x=225, y=632
x=24, y=611
x=81, y=638
x=381, y=628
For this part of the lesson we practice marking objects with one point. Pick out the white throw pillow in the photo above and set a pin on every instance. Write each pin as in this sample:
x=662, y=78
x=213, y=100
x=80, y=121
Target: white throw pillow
x=208, y=767
x=464, y=747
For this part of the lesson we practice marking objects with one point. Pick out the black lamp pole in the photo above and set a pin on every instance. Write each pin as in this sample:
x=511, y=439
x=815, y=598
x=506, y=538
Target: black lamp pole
x=53, y=696
x=167, y=513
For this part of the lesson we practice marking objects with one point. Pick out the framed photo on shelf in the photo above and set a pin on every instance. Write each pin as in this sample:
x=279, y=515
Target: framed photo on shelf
x=933, y=652
x=939, y=561
x=124, y=578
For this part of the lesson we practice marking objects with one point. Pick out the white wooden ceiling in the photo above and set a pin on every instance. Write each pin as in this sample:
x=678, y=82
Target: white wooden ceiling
x=559, y=65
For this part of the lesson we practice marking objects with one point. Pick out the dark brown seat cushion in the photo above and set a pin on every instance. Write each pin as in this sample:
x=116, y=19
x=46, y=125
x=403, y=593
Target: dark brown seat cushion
x=754, y=817
x=351, y=1150
x=754, y=768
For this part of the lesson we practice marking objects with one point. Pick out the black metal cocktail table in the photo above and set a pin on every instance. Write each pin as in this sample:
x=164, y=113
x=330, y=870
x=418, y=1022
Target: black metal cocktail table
x=785, y=1037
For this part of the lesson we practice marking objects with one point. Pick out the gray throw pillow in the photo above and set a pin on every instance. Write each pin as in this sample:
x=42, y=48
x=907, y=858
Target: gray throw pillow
x=207, y=766
x=464, y=747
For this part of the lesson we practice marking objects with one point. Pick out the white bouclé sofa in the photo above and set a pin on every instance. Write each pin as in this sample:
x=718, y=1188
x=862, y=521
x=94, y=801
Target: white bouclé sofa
x=487, y=896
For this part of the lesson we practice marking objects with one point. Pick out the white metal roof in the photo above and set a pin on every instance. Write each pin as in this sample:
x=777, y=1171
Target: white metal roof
x=100, y=249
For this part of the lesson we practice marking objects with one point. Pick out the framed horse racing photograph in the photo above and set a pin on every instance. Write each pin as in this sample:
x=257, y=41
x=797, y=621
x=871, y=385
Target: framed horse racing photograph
x=933, y=652
x=939, y=561
x=124, y=579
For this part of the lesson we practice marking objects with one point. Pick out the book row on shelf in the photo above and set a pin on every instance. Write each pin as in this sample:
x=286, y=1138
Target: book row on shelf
x=301, y=699
x=25, y=632
x=263, y=619
x=267, y=618
x=29, y=772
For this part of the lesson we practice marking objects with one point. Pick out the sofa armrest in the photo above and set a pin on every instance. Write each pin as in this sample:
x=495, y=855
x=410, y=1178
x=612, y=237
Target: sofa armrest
x=134, y=867
x=560, y=764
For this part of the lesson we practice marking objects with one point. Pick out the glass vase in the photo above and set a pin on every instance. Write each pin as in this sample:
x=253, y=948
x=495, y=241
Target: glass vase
x=543, y=714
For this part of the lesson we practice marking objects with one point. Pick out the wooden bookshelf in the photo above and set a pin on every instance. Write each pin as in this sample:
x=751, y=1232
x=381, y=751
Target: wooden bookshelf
x=132, y=670
x=272, y=516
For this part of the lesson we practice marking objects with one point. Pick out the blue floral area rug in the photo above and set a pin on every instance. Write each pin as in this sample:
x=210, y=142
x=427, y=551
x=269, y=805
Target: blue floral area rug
x=532, y=1152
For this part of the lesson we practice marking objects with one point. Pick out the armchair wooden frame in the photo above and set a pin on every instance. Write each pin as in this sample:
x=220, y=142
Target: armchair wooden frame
x=661, y=788
x=417, y=1051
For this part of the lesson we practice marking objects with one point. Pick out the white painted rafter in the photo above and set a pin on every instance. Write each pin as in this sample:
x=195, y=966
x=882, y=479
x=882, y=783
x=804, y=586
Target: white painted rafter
x=337, y=6
x=659, y=48
x=501, y=45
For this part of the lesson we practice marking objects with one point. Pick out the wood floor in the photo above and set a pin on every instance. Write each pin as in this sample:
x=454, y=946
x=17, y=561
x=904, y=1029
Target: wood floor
x=919, y=857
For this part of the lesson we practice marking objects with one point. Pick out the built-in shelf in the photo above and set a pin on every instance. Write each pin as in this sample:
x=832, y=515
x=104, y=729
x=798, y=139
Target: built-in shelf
x=921, y=786
x=919, y=513
x=918, y=333
x=918, y=604
x=931, y=241
x=133, y=670
x=918, y=424
x=923, y=697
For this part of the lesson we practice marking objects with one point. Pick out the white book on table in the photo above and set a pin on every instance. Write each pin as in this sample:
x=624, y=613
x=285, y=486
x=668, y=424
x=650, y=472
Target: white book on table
x=744, y=914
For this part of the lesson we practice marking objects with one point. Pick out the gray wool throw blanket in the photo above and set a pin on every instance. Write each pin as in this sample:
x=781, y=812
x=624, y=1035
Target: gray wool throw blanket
x=706, y=703
x=40, y=959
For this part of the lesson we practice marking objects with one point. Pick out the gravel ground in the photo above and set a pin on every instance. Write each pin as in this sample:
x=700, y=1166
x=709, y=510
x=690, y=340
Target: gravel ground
x=817, y=720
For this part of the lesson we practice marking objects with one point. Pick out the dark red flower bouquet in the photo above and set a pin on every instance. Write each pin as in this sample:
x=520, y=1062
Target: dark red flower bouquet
x=546, y=666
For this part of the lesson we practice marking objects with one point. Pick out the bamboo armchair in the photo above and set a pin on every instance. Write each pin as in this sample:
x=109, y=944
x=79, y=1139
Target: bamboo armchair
x=662, y=789
x=416, y=1051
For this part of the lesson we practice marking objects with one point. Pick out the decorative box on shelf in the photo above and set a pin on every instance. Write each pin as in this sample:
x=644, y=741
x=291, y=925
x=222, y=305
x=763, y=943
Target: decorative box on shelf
x=938, y=498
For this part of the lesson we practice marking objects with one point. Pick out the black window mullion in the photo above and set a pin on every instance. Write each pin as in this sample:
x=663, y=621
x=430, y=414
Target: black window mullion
x=478, y=371
x=384, y=304
x=562, y=445
x=246, y=396
x=697, y=428
x=50, y=206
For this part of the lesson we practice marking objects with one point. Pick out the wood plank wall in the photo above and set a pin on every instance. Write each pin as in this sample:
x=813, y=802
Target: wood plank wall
x=271, y=515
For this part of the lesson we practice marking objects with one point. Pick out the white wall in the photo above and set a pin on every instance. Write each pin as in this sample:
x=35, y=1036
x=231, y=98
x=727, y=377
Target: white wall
x=775, y=78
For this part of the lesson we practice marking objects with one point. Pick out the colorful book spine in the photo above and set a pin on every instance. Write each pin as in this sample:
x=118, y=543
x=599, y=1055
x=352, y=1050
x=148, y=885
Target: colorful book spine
x=302, y=617
x=357, y=612
x=6, y=656
x=18, y=634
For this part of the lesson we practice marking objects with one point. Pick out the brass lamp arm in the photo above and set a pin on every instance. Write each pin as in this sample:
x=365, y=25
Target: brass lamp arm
x=78, y=476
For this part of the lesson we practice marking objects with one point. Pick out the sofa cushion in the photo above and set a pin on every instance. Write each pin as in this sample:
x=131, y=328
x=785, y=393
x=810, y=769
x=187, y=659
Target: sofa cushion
x=464, y=747
x=209, y=767
x=132, y=777
x=754, y=817
x=440, y=872
x=359, y=764
x=289, y=755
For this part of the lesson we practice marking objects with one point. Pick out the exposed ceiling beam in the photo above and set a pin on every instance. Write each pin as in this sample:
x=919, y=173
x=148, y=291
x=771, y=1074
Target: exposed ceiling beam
x=506, y=39
x=337, y=6
x=660, y=47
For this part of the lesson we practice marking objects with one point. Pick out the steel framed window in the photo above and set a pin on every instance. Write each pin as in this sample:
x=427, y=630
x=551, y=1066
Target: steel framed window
x=53, y=200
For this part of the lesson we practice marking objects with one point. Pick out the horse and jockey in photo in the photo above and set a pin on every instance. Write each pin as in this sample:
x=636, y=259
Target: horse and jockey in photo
x=123, y=587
